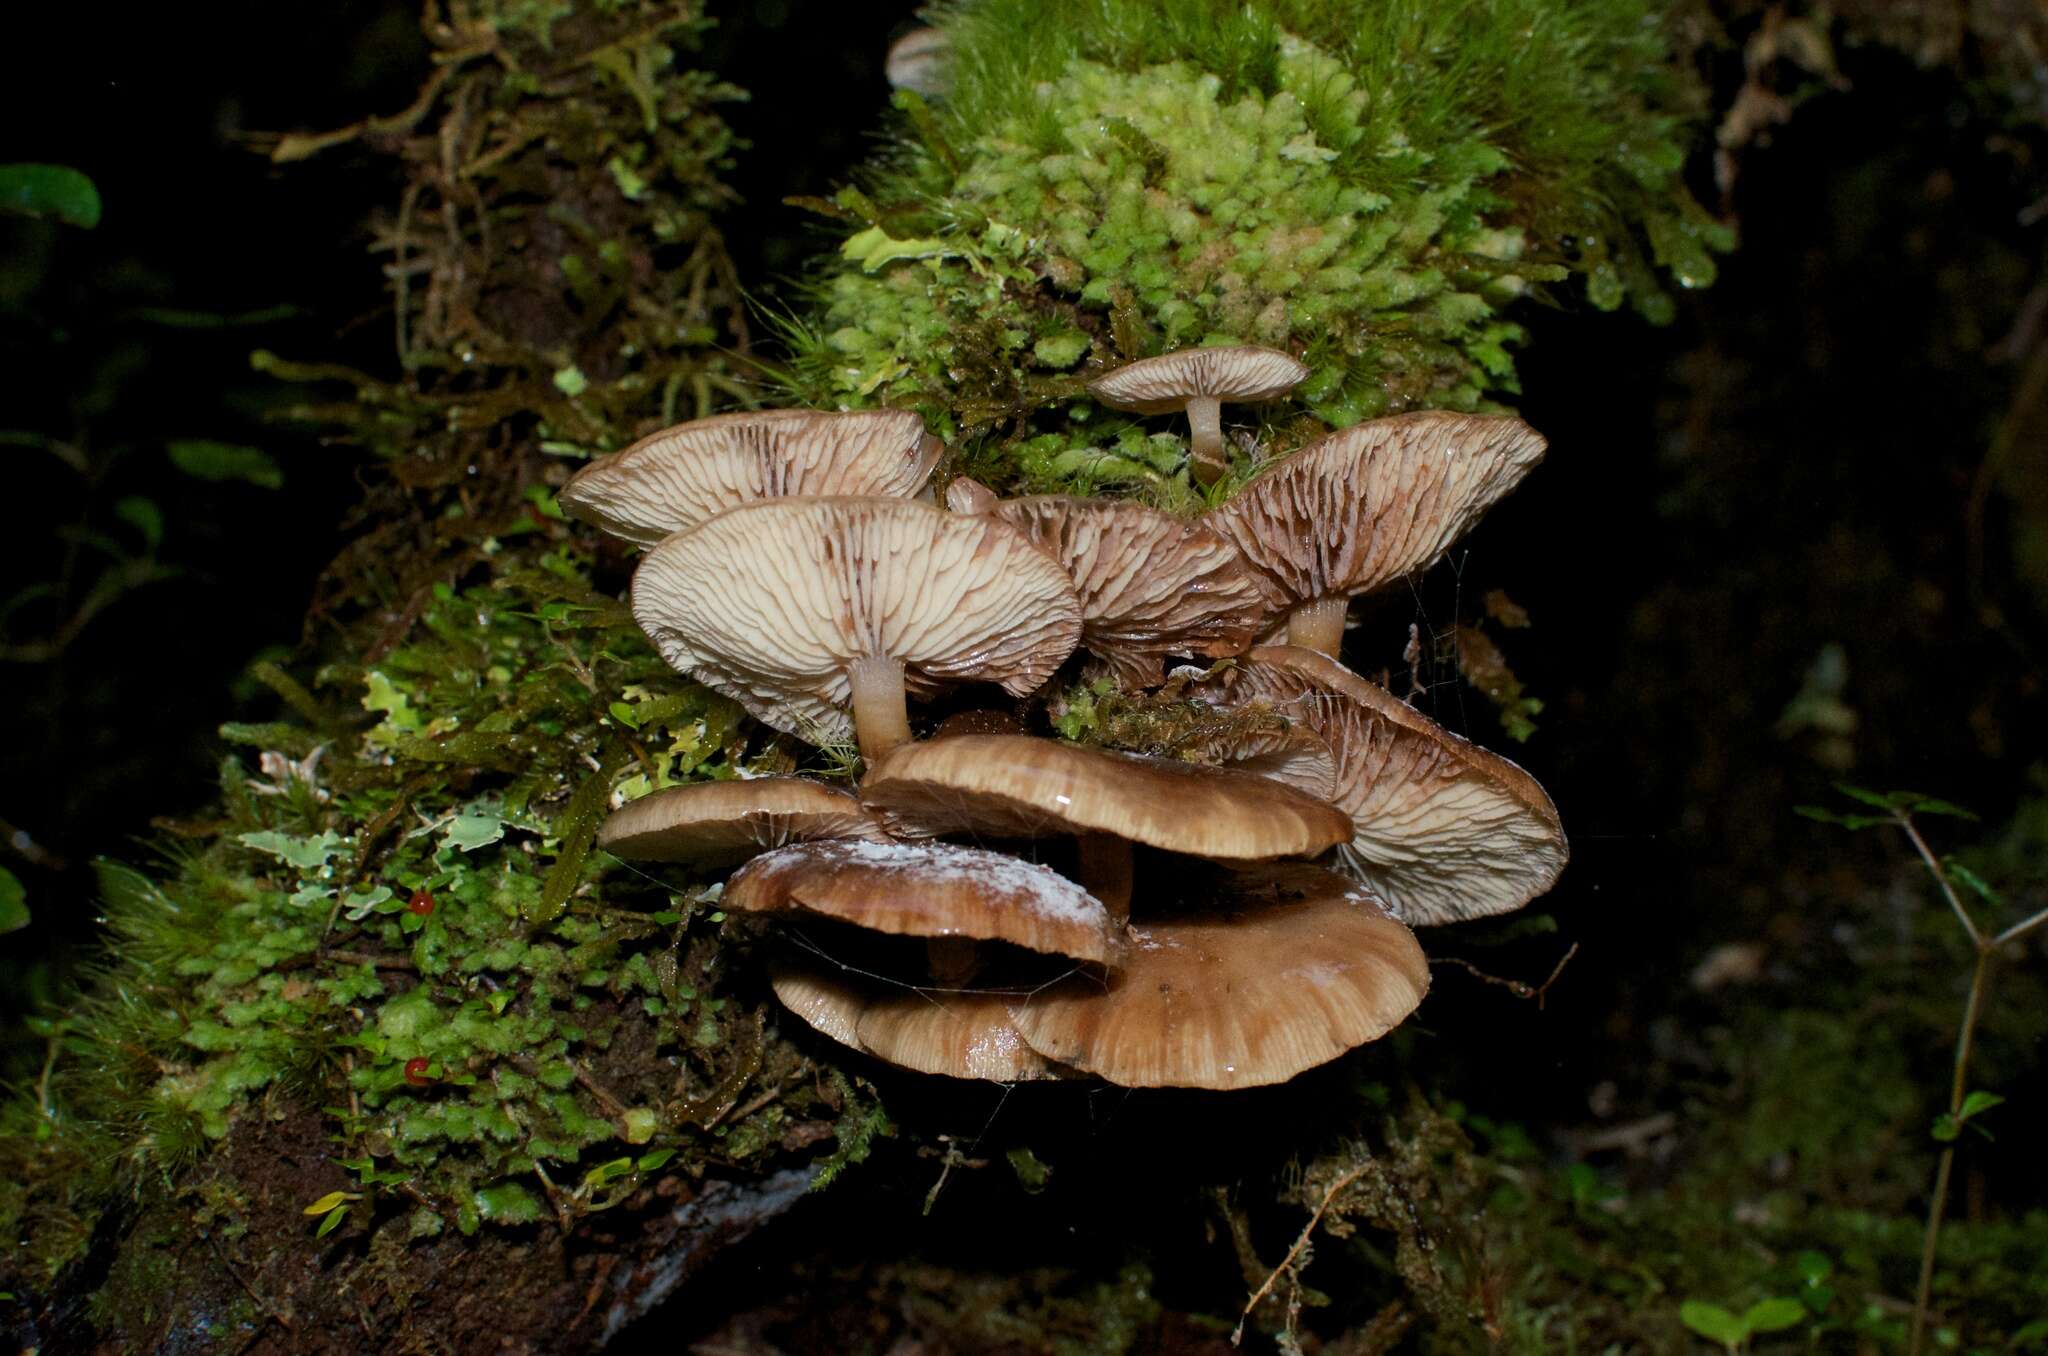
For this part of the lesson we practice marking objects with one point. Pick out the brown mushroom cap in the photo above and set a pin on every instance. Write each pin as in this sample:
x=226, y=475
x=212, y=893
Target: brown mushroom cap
x=1241, y=374
x=930, y=890
x=1020, y=786
x=1151, y=584
x=680, y=476
x=1444, y=830
x=1373, y=503
x=783, y=604
x=723, y=823
x=959, y=1034
x=1298, y=967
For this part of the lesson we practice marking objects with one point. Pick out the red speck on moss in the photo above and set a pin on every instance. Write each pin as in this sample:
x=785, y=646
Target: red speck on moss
x=421, y=903
x=416, y=1072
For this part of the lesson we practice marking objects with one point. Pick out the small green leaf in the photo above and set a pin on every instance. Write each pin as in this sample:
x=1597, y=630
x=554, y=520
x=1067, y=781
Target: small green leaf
x=640, y=1125
x=608, y=1172
x=648, y=1162
x=507, y=1203
x=1928, y=805
x=210, y=460
x=1979, y=1102
x=1882, y=800
x=467, y=833
x=1774, y=1315
x=571, y=382
x=1031, y=1172
x=622, y=712
x=1826, y=816
x=145, y=517
x=50, y=191
x=1713, y=1322
x=1982, y=888
x=331, y=1222
x=307, y=854
x=14, y=915
x=875, y=247
x=1813, y=1267
x=1946, y=1127
x=333, y=1200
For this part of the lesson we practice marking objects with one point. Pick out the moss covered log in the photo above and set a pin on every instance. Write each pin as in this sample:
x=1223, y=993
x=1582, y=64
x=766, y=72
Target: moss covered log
x=382, y=1054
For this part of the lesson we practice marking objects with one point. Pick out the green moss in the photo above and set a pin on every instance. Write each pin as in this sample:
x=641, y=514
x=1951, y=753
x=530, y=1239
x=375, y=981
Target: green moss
x=395, y=915
x=1370, y=184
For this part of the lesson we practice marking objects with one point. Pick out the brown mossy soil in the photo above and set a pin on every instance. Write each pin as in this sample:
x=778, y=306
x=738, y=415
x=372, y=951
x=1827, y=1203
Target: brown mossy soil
x=222, y=1261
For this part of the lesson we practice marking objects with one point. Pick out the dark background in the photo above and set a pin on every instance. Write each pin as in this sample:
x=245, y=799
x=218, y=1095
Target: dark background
x=1785, y=469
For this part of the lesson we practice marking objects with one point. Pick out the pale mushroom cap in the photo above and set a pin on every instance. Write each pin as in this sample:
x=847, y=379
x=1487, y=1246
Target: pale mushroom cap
x=1443, y=829
x=680, y=476
x=930, y=890
x=1151, y=584
x=917, y=61
x=770, y=603
x=1241, y=374
x=1020, y=786
x=1375, y=502
x=965, y=494
x=1304, y=967
x=958, y=1034
x=722, y=823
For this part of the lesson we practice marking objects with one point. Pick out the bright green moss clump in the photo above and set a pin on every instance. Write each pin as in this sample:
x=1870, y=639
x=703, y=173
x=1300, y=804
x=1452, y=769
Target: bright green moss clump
x=1367, y=184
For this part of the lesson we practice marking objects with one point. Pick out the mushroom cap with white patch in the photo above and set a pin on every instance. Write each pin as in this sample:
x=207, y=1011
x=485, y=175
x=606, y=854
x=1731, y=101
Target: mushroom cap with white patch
x=1023, y=786
x=721, y=823
x=1276, y=970
x=772, y=603
x=930, y=890
x=1373, y=503
x=1239, y=373
x=1443, y=830
x=1151, y=584
x=680, y=476
x=957, y=1033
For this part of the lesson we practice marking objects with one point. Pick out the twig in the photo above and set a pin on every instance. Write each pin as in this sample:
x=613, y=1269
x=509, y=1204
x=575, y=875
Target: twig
x=1980, y=974
x=1519, y=988
x=1287, y=1262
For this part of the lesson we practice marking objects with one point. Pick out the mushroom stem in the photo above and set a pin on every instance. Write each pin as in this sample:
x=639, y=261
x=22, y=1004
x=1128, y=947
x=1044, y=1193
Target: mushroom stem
x=1104, y=868
x=1319, y=624
x=881, y=713
x=1205, y=444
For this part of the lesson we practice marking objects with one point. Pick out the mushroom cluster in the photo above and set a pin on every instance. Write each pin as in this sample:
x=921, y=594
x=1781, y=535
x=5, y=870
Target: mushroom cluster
x=994, y=903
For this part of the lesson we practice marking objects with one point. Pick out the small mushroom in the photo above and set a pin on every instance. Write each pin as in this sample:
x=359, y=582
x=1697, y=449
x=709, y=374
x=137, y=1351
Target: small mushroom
x=806, y=609
x=932, y=890
x=958, y=1034
x=1443, y=829
x=714, y=824
x=680, y=476
x=1277, y=970
x=917, y=61
x=1199, y=380
x=965, y=494
x=1151, y=584
x=1017, y=786
x=1367, y=506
